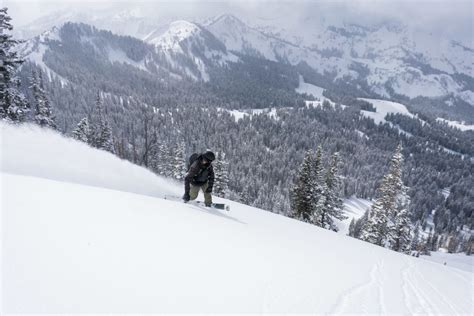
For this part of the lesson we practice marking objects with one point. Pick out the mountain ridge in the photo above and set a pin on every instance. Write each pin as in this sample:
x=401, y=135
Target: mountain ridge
x=399, y=68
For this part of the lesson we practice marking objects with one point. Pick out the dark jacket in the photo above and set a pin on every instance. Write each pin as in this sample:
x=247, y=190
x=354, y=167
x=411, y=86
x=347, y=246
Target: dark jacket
x=198, y=174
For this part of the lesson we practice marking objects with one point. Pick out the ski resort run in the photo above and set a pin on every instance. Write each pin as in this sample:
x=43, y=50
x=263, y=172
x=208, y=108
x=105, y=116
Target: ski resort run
x=86, y=232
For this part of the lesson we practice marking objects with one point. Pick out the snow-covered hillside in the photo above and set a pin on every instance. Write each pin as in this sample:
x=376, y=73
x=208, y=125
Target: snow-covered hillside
x=35, y=49
x=84, y=231
x=354, y=208
x=389, y=54
x=455, y=260
x=460, y=125
x=383, y=107
x=183, y=38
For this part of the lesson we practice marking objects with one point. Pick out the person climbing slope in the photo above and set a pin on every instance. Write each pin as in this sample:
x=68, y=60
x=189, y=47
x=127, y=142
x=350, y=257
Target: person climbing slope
x=200, y=176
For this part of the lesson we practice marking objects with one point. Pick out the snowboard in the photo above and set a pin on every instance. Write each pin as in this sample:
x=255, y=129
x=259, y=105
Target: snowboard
x=217, y=206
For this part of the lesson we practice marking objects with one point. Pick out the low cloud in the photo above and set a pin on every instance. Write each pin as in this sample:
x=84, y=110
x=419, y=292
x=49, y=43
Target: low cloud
x=452, y=19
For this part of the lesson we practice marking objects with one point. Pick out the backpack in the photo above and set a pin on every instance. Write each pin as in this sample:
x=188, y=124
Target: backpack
x=192, y=159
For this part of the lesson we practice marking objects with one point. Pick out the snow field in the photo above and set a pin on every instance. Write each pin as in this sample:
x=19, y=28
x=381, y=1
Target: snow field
x=85, y=232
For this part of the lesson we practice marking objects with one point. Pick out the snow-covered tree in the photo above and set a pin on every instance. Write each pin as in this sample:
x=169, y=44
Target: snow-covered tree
x=13, y=105
x=379, y=227
x=375, y=229
x=100, y=132
x=318, y=187
x=221, y=174
x=44, y=116
x=105, y=140
x=245, y=196
x=179, y=161
x=401, y=232
x=332, y=204
x=163, y=161
x=82, y=132
x=302, y=192
x=415, y=239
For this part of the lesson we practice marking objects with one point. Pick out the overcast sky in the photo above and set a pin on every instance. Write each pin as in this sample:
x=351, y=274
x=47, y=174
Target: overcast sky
x=453, y=18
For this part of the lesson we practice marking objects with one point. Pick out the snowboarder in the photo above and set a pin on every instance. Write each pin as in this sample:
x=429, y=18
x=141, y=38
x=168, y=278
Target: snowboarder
x=200, y=175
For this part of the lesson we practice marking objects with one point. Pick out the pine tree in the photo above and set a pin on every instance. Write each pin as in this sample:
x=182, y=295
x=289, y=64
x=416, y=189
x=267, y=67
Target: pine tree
x=375, y=229
x=245, y=196
x=163, y=166
x=13, y=105
x=434, y=242
x=153, y=152
x=379, y=228
x=360, y=224
x=82, y=132
x=43, y=113
x=401, y=240
x=302, y=193
x=96, y=123
x=332, y=204
x=415, y=240
x=106, y=141
x=179, y=161
x=100, y=131
x=401, y=233
x=221, y=175
x=453, y=244
x=319, y=187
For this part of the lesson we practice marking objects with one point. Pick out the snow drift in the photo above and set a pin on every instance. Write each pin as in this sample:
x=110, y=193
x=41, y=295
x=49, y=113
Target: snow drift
x=86, y=232
x=30, y=150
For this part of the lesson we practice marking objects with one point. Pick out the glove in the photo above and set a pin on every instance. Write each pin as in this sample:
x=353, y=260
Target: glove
x=186, y=197
x=209, y=190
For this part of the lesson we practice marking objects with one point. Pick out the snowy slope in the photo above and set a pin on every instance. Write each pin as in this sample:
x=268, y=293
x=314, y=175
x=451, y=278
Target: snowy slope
x=383, y=107
x=170, y=37
x=317, y=92
x=354, y=208
x=186, y=39
x=75, y=241
x=309, y=88
x=35, y=48
x=456, y=260
x=456, y=124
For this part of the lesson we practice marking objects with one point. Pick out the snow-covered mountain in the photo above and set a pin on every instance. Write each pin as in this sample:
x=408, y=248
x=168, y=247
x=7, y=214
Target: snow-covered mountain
x=183, y=39
x=67, y=40
x=84, y=231
x=35, y=49
x=388, y=56
x=387, y=59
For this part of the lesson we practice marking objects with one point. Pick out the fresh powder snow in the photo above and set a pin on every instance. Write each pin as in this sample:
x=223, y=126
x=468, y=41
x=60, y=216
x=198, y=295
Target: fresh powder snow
x=354, y=208
x=383, y=107
x=454, y=260
x=460, y=125
x=86, y=232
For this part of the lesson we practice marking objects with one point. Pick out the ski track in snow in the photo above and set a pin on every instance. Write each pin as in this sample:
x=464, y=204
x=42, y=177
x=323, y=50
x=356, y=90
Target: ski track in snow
x=433, y=288
x=359, y=296
x=417, y=297
x=413, y=299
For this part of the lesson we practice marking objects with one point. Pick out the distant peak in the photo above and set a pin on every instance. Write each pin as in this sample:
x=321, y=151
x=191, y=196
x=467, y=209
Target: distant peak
x=227, y=19
x=173, y=34
x=51, y=34
x=182, y=25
